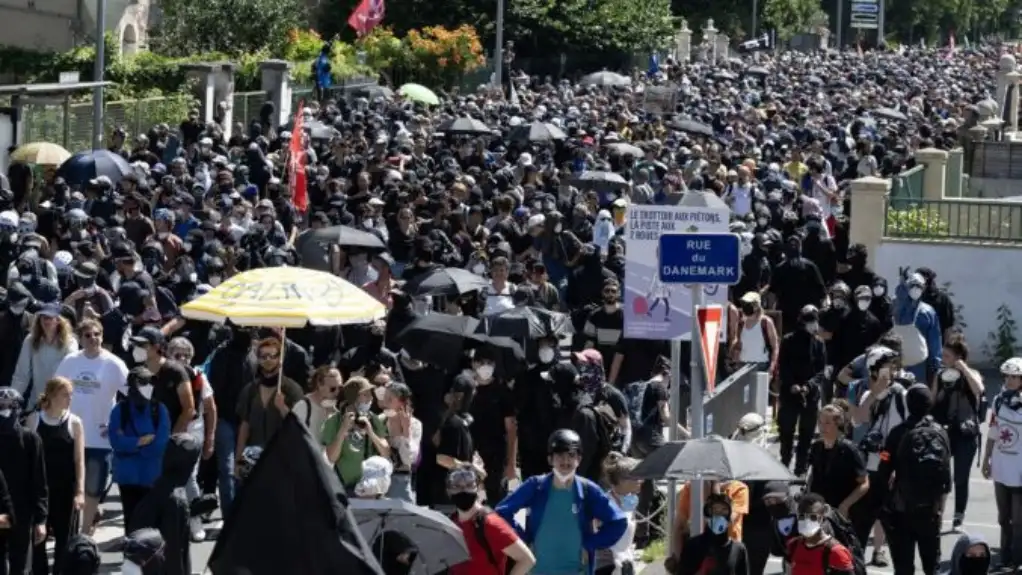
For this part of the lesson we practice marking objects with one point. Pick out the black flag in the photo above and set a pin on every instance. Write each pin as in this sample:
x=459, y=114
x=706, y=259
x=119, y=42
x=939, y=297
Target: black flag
x=291, y=516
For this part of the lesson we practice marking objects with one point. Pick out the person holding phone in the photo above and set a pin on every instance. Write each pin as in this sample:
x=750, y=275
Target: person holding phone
x=139, y=432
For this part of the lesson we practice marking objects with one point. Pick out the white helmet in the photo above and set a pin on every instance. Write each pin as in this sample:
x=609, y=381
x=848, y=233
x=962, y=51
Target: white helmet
x=752, y=428
x=1012, y=367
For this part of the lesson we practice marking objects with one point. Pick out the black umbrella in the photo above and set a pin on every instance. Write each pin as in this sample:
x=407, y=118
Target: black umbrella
x=320, y=131
x=612, y=180
x=889, y=113
x=692, y=127
x=438, y=541
x=508, y=354
x=724, y=75
x=527, y=325
x=84, y=166
x=441, y=339
x=757, y=71
x=292, y=516
x=712, y=458
x=537, y=132
x=314, y=246
x=445, y=281
x=373, y=92
x=467, y=126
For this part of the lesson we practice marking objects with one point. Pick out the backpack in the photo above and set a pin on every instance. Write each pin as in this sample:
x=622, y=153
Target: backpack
x=842, y=531
x=858, y=565
x=478, y=526
x=308, y=410
x=635, y=397
x=154, y=413
x=922, y=467
x=606, y=427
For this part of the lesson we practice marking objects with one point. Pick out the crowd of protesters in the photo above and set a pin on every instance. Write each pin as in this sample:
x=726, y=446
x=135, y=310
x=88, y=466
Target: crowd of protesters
x=116, y=386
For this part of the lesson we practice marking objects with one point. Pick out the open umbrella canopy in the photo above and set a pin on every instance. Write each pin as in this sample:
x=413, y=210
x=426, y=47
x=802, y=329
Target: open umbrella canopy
x=445, y=281
x=527, y=323
x=419, y=93
x=437, y=541
x=712, y=458
x=626, y=149
x=890, y=114
x=605, y=179
x=537, y=132
x=441, y=339
x=314, y=245
x=41, y=153
x=320, y=131
x=606, y=78
x=84, y=166
x=467, y=126
x=285, y=297
x=691, y=127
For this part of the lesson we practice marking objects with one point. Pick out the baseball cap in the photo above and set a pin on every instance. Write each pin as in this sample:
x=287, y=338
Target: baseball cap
x=148, y=335
x=561, y=374
x=49, y=310
x=588, y=356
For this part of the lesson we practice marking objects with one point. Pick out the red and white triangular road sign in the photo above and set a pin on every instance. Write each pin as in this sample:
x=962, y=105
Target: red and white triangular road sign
x=709, y=321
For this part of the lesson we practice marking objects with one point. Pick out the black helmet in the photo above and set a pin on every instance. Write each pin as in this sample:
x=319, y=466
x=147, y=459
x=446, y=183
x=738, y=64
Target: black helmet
x=563, y=441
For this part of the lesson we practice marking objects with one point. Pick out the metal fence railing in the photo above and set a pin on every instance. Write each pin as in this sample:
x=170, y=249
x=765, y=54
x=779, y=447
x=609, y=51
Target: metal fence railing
x=954, y=219
x=907, y=187
x=247, y=106
x=71, y=126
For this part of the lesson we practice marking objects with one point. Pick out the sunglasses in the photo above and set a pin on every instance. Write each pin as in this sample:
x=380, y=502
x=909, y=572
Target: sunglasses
x=810, y=517
x=268, y=356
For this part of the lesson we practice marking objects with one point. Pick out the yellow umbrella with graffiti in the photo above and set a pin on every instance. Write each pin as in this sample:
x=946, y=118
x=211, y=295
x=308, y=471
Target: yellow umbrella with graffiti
x=285, y=297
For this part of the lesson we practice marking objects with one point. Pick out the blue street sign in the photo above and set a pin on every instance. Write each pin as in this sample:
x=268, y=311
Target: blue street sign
x=700, y=258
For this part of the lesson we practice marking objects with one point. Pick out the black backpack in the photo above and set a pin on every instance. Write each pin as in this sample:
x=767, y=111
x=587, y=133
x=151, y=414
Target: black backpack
x=154, y=412
x=635, y=397
x=922, y=466
x=478, y=525
x=842, y=531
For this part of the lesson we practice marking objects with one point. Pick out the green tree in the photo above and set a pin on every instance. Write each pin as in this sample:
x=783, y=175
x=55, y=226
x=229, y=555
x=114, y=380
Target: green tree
x=228, y=27
x=790, y=17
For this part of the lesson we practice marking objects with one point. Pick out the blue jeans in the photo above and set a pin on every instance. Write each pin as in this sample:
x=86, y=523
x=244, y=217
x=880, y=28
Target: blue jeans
x=963, y=453
x=226, y=440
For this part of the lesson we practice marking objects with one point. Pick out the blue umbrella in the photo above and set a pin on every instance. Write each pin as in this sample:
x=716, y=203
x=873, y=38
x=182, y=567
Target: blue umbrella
x=84, y=166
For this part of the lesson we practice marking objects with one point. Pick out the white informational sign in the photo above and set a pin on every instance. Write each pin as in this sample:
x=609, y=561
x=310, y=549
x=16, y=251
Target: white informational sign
x=653, y=309
x=660, y=99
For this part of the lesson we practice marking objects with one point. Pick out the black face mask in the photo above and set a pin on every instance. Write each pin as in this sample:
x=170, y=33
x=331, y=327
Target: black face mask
x=464, y=501
x=270, y=381
x=974, y=565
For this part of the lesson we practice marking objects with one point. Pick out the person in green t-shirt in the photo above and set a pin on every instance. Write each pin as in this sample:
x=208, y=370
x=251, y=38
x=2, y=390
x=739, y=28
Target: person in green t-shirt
x=354, y=434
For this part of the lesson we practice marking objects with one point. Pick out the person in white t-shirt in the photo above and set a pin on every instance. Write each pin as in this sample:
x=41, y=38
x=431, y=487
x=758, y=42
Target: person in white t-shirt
x=97, y=376
x=1002, y=462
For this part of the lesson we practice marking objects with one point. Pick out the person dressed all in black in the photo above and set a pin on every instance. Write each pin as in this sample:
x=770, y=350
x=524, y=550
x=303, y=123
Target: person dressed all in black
x=453, y=441
x=23, y=467
x=796, y=282
x=802, y=358
x=837, y=471
x=165, y=507
x=916, y=460
x=713, y=551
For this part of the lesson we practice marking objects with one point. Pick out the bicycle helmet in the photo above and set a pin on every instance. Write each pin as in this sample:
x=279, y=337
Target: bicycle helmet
x=1012, y=367
x=249, y=458
x=564, y=441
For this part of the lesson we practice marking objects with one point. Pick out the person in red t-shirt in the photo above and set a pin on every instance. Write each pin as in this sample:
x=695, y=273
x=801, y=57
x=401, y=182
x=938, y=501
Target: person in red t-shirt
x=813, y=546
x=499, y=541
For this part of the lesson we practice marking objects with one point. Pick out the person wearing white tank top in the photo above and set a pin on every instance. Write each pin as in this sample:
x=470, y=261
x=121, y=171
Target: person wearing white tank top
x=755, y=339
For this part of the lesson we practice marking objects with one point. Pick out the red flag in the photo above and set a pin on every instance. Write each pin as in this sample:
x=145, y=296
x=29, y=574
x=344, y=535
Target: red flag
x=297, y=179
x=367, y=15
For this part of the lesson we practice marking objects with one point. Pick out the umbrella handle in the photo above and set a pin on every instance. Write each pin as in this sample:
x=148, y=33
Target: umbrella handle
x=283, y=347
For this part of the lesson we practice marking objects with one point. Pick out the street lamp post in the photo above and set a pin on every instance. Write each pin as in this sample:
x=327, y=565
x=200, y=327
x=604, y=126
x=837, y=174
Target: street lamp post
x=97, y=92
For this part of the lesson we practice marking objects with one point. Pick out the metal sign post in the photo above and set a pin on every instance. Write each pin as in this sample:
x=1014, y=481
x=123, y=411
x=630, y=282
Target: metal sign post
x=699, y=260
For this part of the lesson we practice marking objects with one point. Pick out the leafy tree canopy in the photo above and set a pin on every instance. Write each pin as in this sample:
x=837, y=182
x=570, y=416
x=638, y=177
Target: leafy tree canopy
x=226, y=26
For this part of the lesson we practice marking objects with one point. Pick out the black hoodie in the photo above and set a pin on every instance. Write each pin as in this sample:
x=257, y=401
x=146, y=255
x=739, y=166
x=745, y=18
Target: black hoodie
x=165, y=507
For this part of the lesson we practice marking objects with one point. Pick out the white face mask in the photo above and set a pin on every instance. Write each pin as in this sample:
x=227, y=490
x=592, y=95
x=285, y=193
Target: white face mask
x=878, y=290
x=863, y=304
x=328, y=403
x=762, y=222
x=558, y=228
x=812, y=327
x=915, y=293
x=162, y=235
x=5, y=413
x=364, y=406
x=146, y=391
x=215, y=280
x=186, y=246
x=563, y=477
x=950, y=375
x=129, y=568
x=546, y=354
x=479, y=269
x=807, y=528
x=139, y=354
x=380, y=393
x=784, y=525
x=746, y=249
x=839, y=304
x=485, y=372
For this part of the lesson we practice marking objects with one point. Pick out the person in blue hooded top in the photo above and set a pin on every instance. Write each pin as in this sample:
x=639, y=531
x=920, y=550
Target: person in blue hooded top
x=562, y=507
x=919, y=327
x=970, y=556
